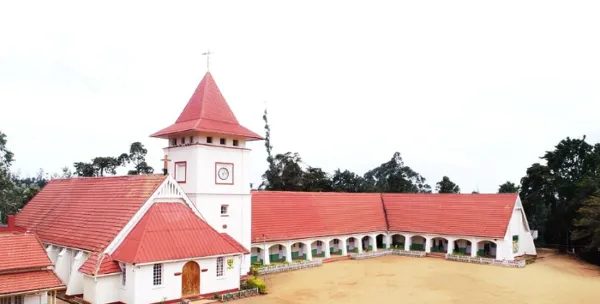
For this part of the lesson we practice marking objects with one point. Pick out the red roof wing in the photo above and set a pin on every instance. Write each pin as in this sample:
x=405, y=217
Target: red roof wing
x=106, y=265
x=207, y=111
x=485, y=215
x=292, y=215
x=88, y=212
x=171, y=231
x=29, y=281
x=20, y=251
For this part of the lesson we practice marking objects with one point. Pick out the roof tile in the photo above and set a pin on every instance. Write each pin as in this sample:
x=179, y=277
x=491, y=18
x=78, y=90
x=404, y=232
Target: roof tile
x=20, y=251
x=29, y=281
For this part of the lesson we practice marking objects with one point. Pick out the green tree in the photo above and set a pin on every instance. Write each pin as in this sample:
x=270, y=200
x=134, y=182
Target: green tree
x=394, y=176
x=348, y=181
x=508, y=187
x=137, y=156
x=446, y=186
x=316, y=180
x=588, y=223
x=7, y=186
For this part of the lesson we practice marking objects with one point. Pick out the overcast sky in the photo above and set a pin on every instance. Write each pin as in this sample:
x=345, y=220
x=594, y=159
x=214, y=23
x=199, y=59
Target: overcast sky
x=475, y=90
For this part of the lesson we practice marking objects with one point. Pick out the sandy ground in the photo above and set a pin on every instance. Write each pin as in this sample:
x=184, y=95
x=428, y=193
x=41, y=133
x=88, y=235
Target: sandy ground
x=394, y=279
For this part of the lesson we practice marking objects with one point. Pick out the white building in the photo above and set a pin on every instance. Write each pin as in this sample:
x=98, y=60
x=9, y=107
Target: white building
x=326, y=225
x=149, y=238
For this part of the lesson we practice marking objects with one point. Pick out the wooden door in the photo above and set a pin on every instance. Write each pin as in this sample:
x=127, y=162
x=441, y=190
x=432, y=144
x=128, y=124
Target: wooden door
x=190, y=279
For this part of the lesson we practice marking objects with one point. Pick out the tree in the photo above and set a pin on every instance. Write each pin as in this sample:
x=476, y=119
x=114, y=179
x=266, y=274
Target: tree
x=508, y=187
x=394, y=176
x=348, y=181
x=447, y=186
x=7, y=199
x=316, y=180
x=270, y=178
x=588, y=223
x=84, y=169
x=137, y=156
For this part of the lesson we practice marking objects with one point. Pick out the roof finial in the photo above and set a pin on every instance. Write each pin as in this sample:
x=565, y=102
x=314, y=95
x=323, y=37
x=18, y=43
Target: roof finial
x=207, y=54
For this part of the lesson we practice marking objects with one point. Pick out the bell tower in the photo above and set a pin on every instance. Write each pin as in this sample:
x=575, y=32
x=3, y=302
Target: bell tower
x=207, y=155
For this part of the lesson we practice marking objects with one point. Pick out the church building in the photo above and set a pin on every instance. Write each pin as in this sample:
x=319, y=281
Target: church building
x=195, y=230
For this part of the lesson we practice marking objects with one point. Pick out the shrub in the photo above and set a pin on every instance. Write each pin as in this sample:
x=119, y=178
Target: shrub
x=216, y=296
x=255, y=282
x=254, y=270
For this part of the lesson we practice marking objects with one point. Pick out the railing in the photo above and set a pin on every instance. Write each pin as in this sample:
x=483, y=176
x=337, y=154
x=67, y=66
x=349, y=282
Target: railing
x=289, y=267
x=239, y=294
x=486, y=261
x=379, y=253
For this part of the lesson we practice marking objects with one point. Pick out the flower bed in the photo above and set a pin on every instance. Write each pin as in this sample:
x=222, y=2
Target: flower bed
x=485, y=261
x=239, y=294
x=289, y=267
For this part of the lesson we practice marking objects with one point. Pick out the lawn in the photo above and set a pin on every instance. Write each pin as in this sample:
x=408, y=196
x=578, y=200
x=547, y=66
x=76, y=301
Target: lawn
x=395, y=279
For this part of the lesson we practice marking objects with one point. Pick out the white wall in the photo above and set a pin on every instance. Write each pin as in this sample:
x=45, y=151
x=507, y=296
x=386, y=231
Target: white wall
x=63, y=264
x=208, y=196
x=519, y=226
x=104, y=289
x=40, y=298
x=75, y=283
x=146, y=292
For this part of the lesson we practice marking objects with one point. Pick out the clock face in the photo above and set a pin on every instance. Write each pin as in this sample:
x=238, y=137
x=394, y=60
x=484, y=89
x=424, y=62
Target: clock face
x=223, y=173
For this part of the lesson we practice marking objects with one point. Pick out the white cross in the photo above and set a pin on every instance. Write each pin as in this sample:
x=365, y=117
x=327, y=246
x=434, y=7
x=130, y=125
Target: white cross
x=207, y=54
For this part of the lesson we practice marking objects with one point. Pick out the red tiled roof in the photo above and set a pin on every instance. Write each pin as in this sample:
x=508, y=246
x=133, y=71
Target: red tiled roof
x=288, y=215
x=234, y=243
x=207, y=111
x=86, y=213
x=19, y=251
x=485, y=215
x=29, y=281
x=171, y=231
x=106, y=265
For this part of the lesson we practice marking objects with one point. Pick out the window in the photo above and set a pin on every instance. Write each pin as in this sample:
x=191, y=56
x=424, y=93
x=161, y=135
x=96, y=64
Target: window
x=191, y=139
x=13, y=300
x=173, y=142
x=180, y=171
x=236, y=143
x=336, y=241
x=219, y=266
x=209, y=140
x=157, y=274
x=224, y=209
x=223, y=141
x=183, y=140
x=123, y=274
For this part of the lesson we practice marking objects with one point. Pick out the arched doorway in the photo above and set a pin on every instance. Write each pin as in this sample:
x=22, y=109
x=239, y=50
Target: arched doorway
x=190, y=279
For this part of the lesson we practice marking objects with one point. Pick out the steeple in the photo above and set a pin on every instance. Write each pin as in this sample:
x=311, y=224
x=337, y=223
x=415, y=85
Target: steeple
x=207, y=111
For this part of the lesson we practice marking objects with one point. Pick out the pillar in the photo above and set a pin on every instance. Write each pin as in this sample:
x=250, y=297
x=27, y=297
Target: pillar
x=387, y=241
x=427, y=245
x=474, y=247
x=308, y=251
x=450, y=246
x=407, y=242
x=344, y=248
x=374, y=242
x=327, y=249
x=266, y=255
x=288, y=253
x=360, y=244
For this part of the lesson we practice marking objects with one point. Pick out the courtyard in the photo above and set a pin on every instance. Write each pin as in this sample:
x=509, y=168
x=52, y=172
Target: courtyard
x=393, y=279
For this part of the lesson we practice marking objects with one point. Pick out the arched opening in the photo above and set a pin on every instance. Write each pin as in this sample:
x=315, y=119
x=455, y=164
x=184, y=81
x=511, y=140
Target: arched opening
x=398, y=241
x=318, y=249
x=486, y=249
x=257, y=255
x=366, y=243
x=462, y=247
x=417, y=243
x=335, y=247
x=190, y=279
x=299, y=250
x=277, y=253
x=352, y=244
x=380, y=241
x=439, y=244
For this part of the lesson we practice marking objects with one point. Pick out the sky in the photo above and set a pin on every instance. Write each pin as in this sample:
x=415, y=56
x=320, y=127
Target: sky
x=474, y=90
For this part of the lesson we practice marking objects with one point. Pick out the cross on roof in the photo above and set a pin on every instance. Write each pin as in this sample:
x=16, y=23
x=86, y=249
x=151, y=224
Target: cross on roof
x=207, y=54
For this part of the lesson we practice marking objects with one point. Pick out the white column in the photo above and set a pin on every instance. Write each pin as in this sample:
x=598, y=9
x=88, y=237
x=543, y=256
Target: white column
x=450, y=246
x=344, y=247
x=387, y=240
x=427, y=245
x=266, y=255
x=288, y=253
x=327, y=249
x=474, y=248
x=309, y=252
x=360, y=244
x=407, y=242
x=373, y=240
